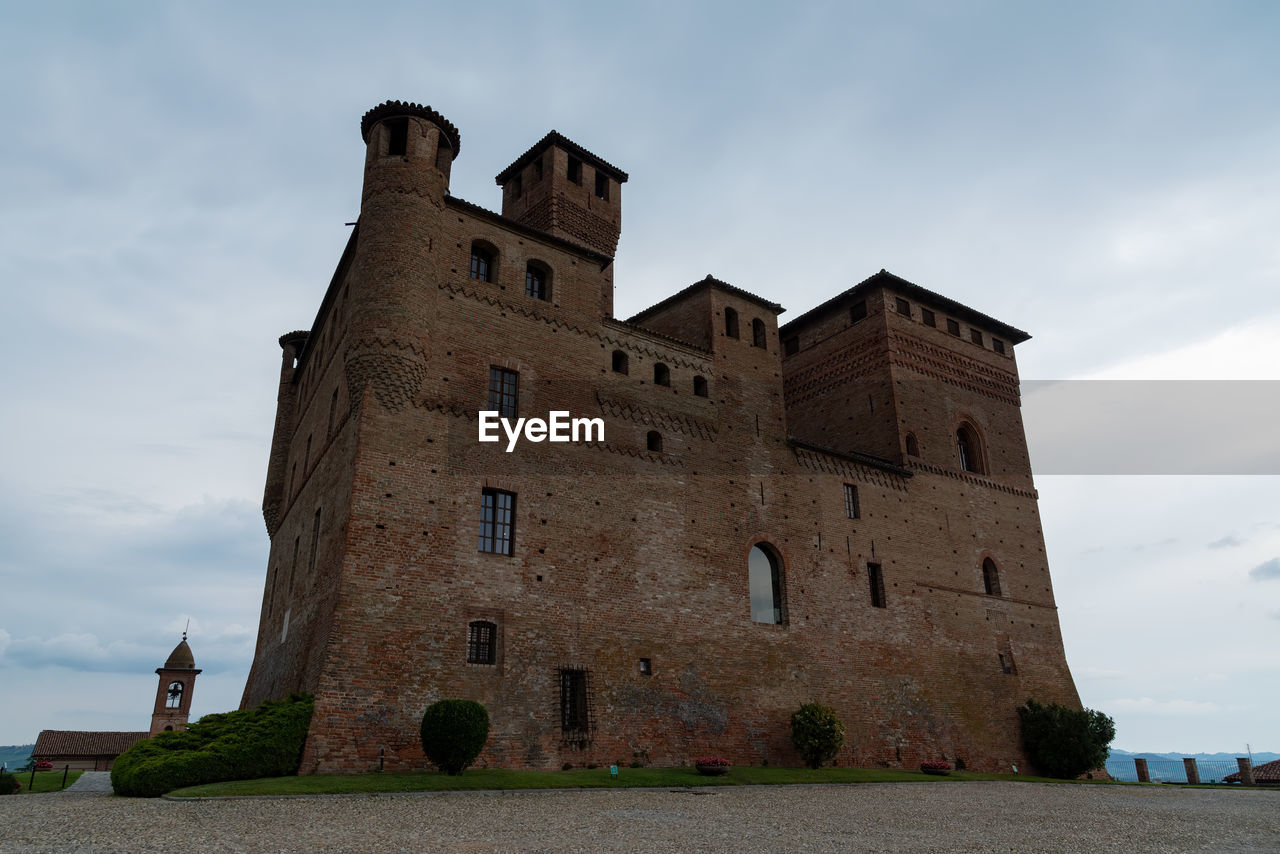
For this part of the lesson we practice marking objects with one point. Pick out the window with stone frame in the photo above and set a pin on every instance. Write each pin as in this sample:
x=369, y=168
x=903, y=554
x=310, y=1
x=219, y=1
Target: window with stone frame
x=504, y=392
x=497, y=521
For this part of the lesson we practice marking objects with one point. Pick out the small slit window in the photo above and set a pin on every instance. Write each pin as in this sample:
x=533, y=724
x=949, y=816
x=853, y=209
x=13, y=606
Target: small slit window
x=731, y=323
x=990, y=577
x=620, y=362
x=661, y=374
x=700, y=386
x=875, y=579
x=481, y=642
x=758, y=334
x=654, y=441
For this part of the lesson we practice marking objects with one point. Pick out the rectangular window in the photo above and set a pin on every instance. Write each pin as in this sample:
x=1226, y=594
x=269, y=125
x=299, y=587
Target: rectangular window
x=602, y=185
x=975, y=336
x=481, y=643
x=537, y=170
x=904, y=307
x=575, y=170
x=518, y=186
x=1006, y=662
x=497, y=521
x=504, y=387
x=876, y=579
x=575, y=718
x=857, y=311
x=791, y=346
x=953, y=327
x=535, y=282
x=646, y=667
x=997, y=345
x=927, y=317
x=398, y=144
x=851, y=501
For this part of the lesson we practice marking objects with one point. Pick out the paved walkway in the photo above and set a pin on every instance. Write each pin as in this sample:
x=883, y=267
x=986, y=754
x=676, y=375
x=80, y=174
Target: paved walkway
x=91, y=783
x=883, y=817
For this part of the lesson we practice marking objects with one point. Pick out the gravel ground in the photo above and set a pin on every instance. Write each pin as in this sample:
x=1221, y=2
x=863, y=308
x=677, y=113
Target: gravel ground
x=869, y=817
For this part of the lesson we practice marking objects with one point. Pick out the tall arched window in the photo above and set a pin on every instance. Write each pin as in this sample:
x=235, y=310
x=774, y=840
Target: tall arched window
x=990, y=577
x=758, y=335
x=731, y=322
x=482, y=262
x=661, y=374
x=969, y=449
x=913, y=447
x=175, y=695
x=764, y=571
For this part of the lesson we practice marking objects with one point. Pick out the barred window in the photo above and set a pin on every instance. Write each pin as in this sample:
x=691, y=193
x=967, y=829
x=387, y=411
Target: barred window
x=575, y=717
x=481, y=642
x=875, y=578
x=504, y=388
x=497, y=521
x=851, y=501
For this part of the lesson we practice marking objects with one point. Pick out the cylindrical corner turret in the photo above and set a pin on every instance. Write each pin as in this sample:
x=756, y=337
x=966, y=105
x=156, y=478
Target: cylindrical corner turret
x=410, y=146
x=273, y=497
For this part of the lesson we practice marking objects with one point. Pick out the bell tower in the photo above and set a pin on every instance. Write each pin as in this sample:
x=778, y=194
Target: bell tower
x=173, y=694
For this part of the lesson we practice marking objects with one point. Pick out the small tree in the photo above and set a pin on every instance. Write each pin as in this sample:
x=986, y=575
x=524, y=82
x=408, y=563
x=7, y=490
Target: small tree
x=817, y=734
x=1063, y=742
x=454, y=733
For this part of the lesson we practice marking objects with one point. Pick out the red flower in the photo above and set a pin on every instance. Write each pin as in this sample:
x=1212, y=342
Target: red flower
x=714, y=761
x=935, y=766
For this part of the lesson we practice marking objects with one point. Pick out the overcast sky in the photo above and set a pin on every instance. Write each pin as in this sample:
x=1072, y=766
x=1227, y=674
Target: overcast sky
x=175, y=179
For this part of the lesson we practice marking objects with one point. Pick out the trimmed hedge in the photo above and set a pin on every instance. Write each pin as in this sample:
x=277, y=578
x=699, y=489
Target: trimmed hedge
x=1063, y=742
x=265, y=741
x=817, y=733
x=454, y=733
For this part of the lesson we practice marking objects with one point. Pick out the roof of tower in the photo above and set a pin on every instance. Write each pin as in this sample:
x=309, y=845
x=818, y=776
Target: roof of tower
x=709, y=282
x=388, y=109
x=556, y=138
x=181, y=657
x=886, y=279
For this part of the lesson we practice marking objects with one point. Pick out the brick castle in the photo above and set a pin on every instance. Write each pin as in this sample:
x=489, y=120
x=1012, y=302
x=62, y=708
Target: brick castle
x=839, y=509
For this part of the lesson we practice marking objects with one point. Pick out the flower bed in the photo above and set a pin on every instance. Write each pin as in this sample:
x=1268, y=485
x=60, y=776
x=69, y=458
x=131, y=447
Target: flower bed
x=937, y=768
x=712, y=766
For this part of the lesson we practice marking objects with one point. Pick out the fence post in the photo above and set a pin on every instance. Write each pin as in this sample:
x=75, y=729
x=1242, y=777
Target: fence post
x=1193, y=771
x=1140, y=765
x=1246, y=770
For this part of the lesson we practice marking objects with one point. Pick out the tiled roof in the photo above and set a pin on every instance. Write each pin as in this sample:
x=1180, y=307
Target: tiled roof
x=896, y=283
x=65, y=742
x=1268, y=772
x=387, y=109
x=569, y=145
x=709, y=282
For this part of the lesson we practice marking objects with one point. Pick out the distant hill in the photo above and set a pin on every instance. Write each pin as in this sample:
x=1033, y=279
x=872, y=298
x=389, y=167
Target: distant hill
x=15, y=755
x=1259, y=756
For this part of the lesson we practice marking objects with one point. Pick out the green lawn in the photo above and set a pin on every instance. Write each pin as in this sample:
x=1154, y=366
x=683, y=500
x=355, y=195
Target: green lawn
x=579, y=778
x=46, y=781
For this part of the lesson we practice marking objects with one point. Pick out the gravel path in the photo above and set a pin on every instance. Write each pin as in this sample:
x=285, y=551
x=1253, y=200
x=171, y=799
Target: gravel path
x=89, y=783
x=869, y=817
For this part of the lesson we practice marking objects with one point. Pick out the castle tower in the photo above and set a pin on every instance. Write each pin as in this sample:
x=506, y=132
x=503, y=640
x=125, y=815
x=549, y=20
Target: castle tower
x=173, y=694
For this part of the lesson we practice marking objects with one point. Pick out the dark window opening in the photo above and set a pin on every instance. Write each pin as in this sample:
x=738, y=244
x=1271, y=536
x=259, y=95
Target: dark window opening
x=646, y=667
x=953, y=327
x=913, y=446
x=444, y=156
x=168, y=729
x=504, y=389
x=481, y=642
x=602, y=185
x=537, y=170
x=661, y=374
x=1006, y=662
x=731, y=323
x=857, y=311
x=575, y=170
x=700, y=386
x=875, y=578
x=975, y=336
x=333, y=410
x=927, y=318
x=315, y=541
x=997, y=345
x=904, y=307
x=851, y=509
x=535, y=282
x=481, y=263
x=517, y=186
x=497, y=521
x=175, y=695
x=990, y=577
x=969, y=450
x=620, y=362
x=654, y=441
x=575, y=713
x=758, y=334
x=398, y=144
x=764, y=575
x=791, y=346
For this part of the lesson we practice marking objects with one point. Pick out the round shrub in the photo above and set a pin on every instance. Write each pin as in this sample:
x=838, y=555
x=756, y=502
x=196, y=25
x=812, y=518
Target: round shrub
x=9, y=784
x=1063, y=742
x=454, y=733
x=817, y=733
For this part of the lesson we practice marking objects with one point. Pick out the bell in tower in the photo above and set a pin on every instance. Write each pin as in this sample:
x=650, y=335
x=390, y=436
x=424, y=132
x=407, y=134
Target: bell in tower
x=173, y=694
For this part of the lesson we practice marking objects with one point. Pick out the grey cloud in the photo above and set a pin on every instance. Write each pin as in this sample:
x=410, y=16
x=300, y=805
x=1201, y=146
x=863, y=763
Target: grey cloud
x=1227, y=542
x=1266, y=571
